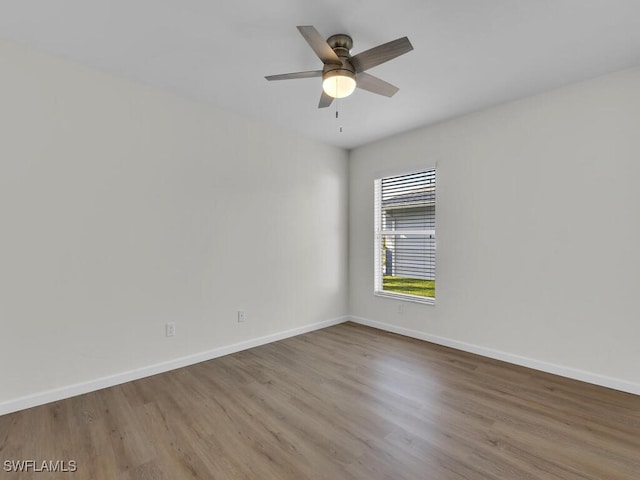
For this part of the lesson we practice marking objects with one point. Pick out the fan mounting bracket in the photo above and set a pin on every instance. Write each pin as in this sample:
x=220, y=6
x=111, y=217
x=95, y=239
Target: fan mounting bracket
x=341, y=44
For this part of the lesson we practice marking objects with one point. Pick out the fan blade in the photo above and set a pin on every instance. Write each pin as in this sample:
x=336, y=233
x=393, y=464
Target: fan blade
x=325, y=100
x=375, y=85
x=380, y=54
x=319, y=45
x=292, y=76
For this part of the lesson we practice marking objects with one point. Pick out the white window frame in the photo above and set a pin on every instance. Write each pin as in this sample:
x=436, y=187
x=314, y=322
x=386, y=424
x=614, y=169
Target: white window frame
x=380, y=232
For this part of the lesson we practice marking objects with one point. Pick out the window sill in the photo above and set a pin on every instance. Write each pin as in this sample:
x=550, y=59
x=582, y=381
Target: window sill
x=408, y=298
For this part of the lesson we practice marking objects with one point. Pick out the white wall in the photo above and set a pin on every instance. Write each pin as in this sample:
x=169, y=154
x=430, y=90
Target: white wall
x=538, y=230
x=123, y=207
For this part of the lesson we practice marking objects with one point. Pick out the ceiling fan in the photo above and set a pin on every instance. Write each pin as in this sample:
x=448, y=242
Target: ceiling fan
x=342, y=73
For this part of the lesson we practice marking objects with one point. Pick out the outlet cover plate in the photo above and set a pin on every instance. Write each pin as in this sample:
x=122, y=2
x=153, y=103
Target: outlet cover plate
x=170, y=329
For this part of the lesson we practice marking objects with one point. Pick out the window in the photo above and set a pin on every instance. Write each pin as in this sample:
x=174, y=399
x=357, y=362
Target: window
x=405, y=236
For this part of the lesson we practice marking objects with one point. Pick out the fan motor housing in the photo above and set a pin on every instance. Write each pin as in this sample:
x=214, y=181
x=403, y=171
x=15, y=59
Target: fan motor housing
x=341, y=44
x=334, y=69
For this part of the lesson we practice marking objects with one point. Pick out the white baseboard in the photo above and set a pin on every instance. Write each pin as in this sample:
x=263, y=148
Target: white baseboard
x=68, y=391
x=61, y=393
x=574, y=373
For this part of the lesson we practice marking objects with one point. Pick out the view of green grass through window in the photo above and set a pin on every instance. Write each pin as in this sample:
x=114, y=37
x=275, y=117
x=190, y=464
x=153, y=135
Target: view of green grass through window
x=409, y=286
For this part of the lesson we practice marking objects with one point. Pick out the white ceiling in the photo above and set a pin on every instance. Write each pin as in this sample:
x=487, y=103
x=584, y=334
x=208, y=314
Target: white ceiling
x=468, y=54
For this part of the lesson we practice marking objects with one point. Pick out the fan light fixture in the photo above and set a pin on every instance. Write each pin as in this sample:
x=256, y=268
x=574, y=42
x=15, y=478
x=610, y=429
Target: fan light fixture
x=339, y=83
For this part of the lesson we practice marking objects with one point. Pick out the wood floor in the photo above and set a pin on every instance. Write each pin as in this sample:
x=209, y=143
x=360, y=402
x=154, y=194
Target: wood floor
x=346, y=402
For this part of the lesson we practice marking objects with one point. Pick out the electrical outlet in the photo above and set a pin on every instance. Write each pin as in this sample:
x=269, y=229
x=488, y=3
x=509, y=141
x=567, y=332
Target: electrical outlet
x=170, y=329
x=241, y=316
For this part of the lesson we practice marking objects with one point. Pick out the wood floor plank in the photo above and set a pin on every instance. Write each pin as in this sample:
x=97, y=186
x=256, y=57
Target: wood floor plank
x=346, y=402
